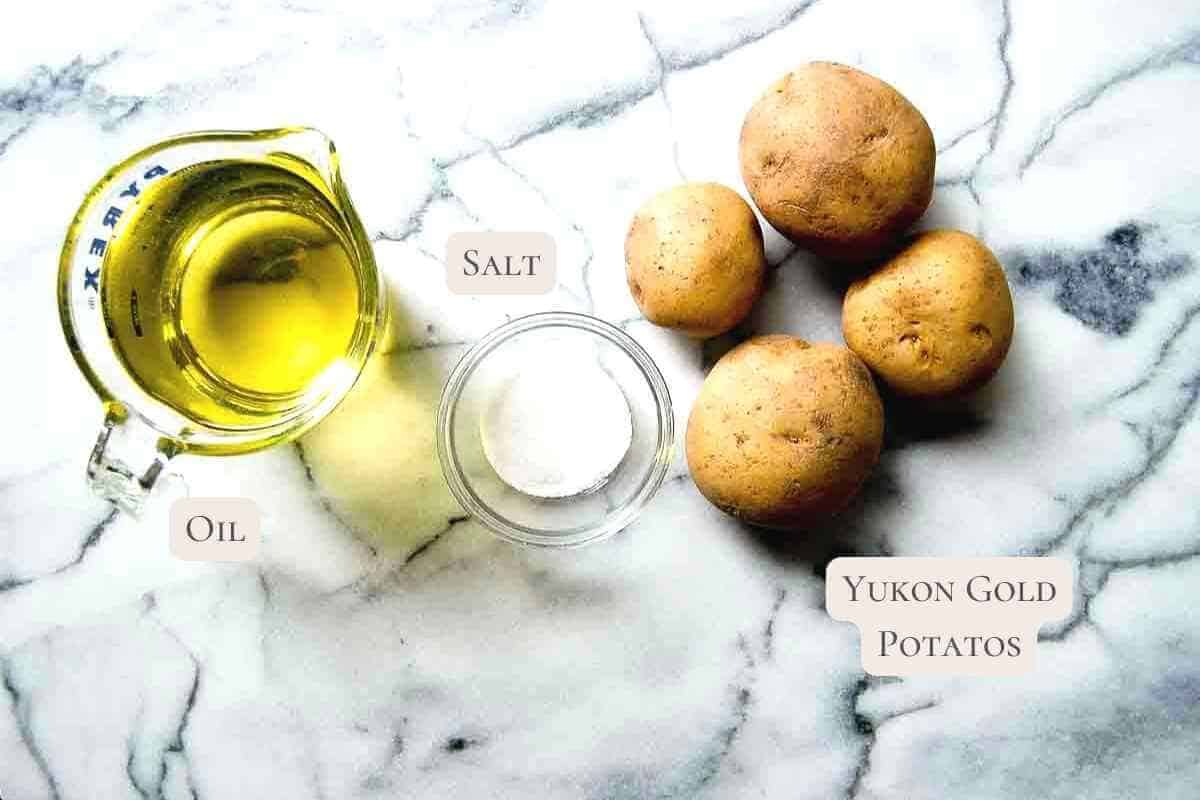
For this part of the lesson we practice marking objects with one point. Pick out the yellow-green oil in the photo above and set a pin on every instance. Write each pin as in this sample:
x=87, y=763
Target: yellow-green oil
x=231, y=289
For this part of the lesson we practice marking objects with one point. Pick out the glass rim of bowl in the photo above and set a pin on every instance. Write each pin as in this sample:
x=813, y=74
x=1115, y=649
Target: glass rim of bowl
x=455, y=475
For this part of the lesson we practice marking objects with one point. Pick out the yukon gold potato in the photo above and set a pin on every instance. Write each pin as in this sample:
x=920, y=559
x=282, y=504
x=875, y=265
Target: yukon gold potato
x=783, y=432
x=694, y=259
x=936, y=320
x=837, y=160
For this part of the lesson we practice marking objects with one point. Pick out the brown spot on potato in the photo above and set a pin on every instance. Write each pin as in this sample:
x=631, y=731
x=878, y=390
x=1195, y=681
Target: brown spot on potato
x=982, y=333
x=875, y=134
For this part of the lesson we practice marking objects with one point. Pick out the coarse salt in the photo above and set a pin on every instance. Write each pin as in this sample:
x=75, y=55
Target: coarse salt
x=556, y=428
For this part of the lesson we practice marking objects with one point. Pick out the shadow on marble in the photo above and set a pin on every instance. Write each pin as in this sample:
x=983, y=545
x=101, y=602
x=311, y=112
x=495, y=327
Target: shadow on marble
x=850, y=533
x=813, y=548
x=861, y=529
x=909, y=421
x=802, y=297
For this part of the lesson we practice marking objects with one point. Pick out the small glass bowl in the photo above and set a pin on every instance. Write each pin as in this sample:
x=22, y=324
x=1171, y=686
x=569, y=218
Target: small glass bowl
x=567, y=521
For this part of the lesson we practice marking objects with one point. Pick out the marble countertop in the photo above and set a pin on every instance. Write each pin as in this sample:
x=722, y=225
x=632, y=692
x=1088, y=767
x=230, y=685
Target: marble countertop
x=384, y=646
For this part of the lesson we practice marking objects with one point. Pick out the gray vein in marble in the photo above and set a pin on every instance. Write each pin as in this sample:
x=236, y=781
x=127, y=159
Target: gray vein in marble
x=662, y=91
x=1186, y=52
x=611, y=104
x=377, y=780
x=48, y=91
x=13, y=135
x=623, y=323
x=587, y=114
x=768, y=636
x=866, y=729
x=138, y=782
x=740, y=713
x=1164, y=351
x=1148, y=562
x=328, y=506
x=90, y=541
x=267, y=604
x=868, y=726
x=1155, y=446
x=1002, y=105
x=1091, y=578
x=21, y=713
x=422, y=548
x=440, y=189
x=956, y=140
x=709, y=764
x=588, y=301
x=369, y=586
x=423, y=346
x=134, y=780
x=1107, y=498
x=699, y=60
x=265, y=586
x=176, y=746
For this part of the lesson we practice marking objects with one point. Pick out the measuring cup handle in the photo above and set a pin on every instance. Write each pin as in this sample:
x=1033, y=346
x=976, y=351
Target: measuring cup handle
x=122, y=441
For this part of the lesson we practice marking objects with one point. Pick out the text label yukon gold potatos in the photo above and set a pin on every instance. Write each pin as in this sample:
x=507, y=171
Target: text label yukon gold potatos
x=949, y=616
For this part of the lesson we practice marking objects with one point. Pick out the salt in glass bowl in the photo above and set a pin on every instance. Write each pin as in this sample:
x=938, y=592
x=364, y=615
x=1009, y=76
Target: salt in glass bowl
x=554, y=521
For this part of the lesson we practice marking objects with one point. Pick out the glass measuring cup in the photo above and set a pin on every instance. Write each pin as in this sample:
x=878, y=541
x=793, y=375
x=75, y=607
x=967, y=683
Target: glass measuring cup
x=218, y=292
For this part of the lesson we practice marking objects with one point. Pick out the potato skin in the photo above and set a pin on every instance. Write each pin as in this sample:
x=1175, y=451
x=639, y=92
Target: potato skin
x=838, y=161
x=783, y=433
x=694, y=259
x=936, y=320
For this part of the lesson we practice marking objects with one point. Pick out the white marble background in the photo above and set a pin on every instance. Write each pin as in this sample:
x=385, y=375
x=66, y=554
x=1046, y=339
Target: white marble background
x=384, y=647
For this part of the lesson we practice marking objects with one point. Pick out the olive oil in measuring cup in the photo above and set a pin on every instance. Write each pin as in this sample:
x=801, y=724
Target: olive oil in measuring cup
x=231, y=289
x=218, y=292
